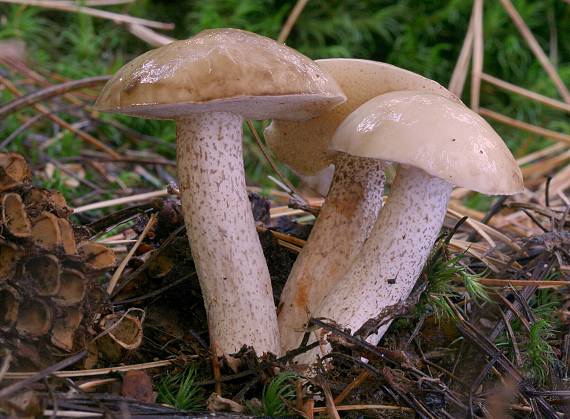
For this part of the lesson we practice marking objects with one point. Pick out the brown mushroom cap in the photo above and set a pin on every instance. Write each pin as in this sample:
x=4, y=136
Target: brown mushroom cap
x=224, y=70
x=303, y=145
x=438, y=135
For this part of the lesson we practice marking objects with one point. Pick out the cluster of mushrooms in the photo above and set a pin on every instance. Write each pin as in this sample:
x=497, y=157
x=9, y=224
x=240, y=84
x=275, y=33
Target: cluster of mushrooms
x=50, y=291
x=362, y=256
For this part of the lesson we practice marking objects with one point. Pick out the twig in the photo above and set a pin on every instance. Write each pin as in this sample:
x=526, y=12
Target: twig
x=51, y=91
x=545, y=100
x=11, y=389
x=64, y=124
x=477, y=54
x=125, y=261
x=536, y=49
x=362, y=377
x=115, y=17
x=290, y=22
x=558, y=136
x=459, y=75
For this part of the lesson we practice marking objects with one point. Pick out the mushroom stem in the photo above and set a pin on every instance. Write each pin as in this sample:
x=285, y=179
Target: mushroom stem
x=227, y=253
x=345, y=220
x=392, y=258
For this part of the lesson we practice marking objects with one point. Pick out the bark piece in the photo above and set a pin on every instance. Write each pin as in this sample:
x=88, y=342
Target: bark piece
x=138, y=385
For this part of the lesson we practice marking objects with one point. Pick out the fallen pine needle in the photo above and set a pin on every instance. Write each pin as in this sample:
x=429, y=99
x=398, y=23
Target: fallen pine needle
x=121, y=201
x=365, y=407
x=490, y=282
x=125, y=261
x=93, y=372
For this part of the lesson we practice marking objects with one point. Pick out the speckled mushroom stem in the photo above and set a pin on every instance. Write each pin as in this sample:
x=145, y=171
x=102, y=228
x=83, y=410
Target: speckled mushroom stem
x=345, y=220
x=392, y=258
x=225, y=246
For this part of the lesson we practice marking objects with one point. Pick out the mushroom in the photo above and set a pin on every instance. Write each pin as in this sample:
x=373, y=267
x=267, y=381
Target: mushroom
x=208, y=84
x=439, y=143
x=355, y=196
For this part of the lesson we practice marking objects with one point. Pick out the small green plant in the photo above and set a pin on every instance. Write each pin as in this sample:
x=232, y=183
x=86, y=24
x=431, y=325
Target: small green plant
x=275, y=395
x=539, y=352
x=179, y=391
x=443, y=275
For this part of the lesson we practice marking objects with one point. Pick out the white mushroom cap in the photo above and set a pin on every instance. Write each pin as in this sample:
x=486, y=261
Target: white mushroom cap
x=440, y=136
x=221, y=70
x=303, y=145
